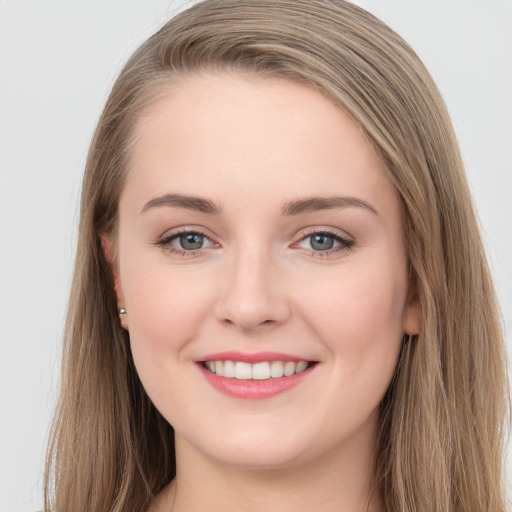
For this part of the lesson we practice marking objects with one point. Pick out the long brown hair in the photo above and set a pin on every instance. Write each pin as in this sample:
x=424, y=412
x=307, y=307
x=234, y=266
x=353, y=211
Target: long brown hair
x=442, y=420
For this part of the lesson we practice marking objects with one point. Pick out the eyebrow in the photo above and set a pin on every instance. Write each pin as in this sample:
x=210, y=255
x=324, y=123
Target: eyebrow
x=300, y=206
x=314, y=204
x=198, y=204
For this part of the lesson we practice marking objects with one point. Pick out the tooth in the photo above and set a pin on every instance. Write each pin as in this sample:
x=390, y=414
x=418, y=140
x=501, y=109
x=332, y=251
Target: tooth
x=289, y=368
x=219, y=368
x=276, y=369
x=301, y=367
x=261, y=371
x=258, y=371
x=243, y=371
x=229, y=369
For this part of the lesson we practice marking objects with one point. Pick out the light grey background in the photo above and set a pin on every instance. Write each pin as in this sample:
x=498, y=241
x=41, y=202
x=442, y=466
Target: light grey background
x=58, y=60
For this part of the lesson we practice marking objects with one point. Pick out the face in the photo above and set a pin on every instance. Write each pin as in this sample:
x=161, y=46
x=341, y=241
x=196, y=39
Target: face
x=262, y=265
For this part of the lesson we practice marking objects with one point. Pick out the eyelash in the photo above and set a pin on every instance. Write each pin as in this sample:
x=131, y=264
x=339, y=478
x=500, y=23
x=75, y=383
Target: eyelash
x=165, y=242
x=344, y=243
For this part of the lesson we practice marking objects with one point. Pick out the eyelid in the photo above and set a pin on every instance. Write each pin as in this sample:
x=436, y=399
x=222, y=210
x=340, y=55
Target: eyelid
x=336, y=233
x=164, y=240
x=346, y=241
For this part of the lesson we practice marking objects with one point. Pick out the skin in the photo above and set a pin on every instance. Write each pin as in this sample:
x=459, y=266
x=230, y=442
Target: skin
x=249, y=145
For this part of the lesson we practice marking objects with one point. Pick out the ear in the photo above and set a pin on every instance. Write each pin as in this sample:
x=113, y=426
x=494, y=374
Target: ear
x=413, y=314
x=109, y=252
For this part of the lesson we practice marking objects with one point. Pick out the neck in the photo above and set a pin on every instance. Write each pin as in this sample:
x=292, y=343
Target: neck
x=341, y=481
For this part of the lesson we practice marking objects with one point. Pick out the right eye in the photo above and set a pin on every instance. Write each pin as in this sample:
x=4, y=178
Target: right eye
x=185, y=243
x=189, y=241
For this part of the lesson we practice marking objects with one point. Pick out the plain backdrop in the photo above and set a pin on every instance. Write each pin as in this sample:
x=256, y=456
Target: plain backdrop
x=58, y=60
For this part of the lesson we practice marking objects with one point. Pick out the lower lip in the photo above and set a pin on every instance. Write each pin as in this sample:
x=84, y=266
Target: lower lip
x=255, y=389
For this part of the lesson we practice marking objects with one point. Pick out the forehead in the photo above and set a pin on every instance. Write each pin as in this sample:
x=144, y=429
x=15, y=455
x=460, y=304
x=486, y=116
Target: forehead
x=254, y=134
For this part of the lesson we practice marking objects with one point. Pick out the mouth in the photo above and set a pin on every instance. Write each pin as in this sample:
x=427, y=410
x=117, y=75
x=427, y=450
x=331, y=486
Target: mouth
x=263, y=370
x=255, y=376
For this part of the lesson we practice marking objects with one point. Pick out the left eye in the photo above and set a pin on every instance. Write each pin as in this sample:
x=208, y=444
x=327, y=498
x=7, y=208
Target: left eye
x=323, y=242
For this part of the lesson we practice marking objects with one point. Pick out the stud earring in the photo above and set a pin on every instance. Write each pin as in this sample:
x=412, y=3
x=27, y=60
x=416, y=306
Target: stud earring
x=122, y=311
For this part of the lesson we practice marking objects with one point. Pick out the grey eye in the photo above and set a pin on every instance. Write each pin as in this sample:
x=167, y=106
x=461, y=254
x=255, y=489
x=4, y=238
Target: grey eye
x=186, y=243
x=321, y=242
x=191, y=241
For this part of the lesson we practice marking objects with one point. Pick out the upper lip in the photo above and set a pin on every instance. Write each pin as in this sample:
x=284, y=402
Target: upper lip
x=253, y=358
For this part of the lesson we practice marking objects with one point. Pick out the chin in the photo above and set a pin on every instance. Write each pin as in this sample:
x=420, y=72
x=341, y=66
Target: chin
x=259, y=457
x=257, y=448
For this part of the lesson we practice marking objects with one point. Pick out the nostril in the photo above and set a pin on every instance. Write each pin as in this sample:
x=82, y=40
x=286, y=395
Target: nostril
x=248, y=324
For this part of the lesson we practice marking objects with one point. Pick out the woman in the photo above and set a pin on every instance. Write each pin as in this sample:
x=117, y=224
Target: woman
x=278, y=257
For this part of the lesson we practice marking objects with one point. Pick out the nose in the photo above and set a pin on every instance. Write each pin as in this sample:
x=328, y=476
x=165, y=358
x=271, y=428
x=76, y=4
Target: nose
x=253, y=295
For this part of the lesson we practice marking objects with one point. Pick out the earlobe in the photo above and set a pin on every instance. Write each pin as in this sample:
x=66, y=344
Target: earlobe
x=110, y=256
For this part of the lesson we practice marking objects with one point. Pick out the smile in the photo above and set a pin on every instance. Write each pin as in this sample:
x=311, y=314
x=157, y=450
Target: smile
x=255, y=376
x=259, y=371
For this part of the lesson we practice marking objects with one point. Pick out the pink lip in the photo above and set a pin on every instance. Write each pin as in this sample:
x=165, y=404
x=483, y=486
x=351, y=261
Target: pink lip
x=252, y=358
x=254, y=389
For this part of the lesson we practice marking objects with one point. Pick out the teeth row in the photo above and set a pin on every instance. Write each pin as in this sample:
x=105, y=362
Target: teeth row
x=258, y=371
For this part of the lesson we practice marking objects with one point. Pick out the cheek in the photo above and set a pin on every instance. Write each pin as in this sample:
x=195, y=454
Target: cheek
x=166, y=306
x=359, y=315
x=166, y=311
x=358, y=319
